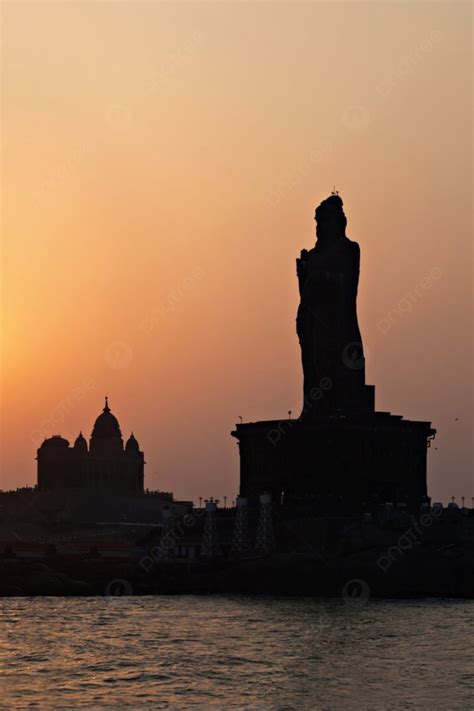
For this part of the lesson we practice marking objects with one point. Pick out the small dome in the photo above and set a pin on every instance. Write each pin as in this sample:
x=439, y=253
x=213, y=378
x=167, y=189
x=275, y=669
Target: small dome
x=55, y=442
x=132, y=446
x=80, y=444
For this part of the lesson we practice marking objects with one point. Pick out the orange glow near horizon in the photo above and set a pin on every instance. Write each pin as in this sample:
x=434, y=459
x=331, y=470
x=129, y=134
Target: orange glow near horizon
x=161, y=167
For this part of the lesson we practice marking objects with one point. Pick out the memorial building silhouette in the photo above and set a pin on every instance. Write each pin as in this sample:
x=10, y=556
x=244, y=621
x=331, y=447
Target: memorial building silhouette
x=105, y=467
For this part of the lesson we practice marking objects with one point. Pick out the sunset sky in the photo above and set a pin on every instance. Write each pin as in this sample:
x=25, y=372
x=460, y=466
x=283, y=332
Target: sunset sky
x=161, y=166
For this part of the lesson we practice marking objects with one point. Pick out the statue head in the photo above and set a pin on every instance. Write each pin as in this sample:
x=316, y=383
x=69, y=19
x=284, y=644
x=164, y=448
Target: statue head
x=330, y=219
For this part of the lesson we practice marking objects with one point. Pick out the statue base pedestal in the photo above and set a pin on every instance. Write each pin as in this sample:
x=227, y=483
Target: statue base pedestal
x=346, y=464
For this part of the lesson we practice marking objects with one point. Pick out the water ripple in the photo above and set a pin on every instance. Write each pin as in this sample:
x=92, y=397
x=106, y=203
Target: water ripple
x=235, y=653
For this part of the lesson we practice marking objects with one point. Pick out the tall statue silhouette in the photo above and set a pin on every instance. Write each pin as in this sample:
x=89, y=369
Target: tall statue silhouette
x=327, y=326
x=340, y=456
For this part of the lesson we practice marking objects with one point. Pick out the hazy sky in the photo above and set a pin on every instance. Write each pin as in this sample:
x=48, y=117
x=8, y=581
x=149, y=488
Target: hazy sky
x=161, y=166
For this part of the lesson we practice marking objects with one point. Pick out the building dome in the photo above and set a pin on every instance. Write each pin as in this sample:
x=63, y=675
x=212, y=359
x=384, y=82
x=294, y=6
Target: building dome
x=80, y=444
x=55, y=442
x=106, y=425
x=106, y=438
x=132, y=446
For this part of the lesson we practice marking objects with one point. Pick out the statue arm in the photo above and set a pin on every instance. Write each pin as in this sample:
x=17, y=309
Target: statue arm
x=301, y=268
x=355, y=269
x=352, y=274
